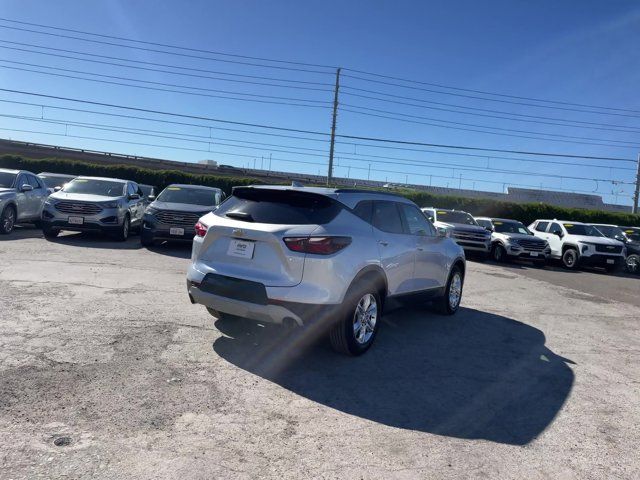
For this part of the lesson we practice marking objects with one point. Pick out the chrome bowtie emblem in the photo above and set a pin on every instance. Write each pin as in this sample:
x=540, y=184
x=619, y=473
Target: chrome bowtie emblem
x=238, y=232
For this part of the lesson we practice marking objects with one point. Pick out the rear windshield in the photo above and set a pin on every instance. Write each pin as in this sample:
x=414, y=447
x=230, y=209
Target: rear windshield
x=105, y=188
x=280, y=207
x=190, y=196
x=581, y=229
x=455, y=217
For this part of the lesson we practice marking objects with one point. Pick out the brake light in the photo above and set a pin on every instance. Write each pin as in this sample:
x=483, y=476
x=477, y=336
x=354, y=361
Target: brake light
x=317, y=245
x=201, y=229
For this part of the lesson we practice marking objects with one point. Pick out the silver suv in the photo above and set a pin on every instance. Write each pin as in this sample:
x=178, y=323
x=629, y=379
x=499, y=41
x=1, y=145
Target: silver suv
x=326, y=259
x=22, y=195
x=106, y=205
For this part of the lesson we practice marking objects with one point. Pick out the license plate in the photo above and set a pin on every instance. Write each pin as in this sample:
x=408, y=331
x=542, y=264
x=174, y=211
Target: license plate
x=241, y=248
x=611, y=261
x=76, y=220
x=176, y=231
x=533, y=254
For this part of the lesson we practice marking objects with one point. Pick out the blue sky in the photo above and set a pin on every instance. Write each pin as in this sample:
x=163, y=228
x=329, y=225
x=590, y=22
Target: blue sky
x=580, y=52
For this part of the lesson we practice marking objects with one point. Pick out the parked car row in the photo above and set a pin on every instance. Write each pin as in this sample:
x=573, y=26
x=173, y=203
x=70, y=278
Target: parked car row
x=572, y=243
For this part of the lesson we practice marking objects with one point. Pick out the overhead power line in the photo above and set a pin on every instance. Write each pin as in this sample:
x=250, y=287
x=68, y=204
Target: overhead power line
x=634, y=113
x=298, y=161
x=178, y=47
x=167, y=52
x=298, y=138
x=257, y=99
x=517, y=97
x=490, y=113
x=203, y=139
x=480, y=131
x=325, y=134
x=181, y=70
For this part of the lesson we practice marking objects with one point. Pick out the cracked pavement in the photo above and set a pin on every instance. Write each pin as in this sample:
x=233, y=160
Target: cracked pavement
x=536, y=377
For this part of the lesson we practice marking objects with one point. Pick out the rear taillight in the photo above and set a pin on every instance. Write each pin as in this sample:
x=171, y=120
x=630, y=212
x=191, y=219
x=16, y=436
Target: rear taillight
x=201, y=229
x=317, y=245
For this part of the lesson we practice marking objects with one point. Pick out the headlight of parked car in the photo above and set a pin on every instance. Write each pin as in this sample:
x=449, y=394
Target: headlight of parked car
x=109, y=205
x=151, y=211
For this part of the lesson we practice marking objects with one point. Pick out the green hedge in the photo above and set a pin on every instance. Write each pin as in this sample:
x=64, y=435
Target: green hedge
x=525, y=212
x=157, y=178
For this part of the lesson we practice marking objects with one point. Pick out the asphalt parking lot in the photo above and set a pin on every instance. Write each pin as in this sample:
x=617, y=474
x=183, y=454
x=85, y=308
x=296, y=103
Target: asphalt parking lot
x=107, y=371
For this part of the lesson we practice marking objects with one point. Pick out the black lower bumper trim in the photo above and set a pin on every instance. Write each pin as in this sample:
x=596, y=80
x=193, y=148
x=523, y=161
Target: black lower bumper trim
x=235, y=288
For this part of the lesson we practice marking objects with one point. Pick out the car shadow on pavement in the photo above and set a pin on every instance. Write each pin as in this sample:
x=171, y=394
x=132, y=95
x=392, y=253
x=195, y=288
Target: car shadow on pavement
x=556, y=267
x=475, y=376
x=22, y=232
x=96, y=240
x=172, y=249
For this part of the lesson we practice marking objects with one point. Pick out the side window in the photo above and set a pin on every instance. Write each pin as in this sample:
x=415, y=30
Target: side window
x=131, y=189
x=364, y=210
x=22, y=179
x=415, y=221
x=140, y=192
x=555, y=229
x=542, y=226
x=386, y=217
x=33, y=181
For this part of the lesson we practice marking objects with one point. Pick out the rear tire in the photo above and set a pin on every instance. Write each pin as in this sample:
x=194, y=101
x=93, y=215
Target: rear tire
x=8, y=220
x=355, y=332
x=449, y=303
x=570, y=259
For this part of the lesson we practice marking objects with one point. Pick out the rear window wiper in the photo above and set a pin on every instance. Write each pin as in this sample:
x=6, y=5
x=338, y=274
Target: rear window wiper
x=246, y=217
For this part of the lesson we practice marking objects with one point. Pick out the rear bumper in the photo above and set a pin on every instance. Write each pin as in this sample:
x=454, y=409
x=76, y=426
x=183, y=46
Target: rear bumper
x=274, y=311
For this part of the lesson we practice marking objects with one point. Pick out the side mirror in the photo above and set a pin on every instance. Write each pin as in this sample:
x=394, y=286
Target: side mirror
x=488, y=229
x=151, y=198
x=430, y=219
x=26, y=188
x=57, y=188
x=559, y=234
x=134, y=196
x=443, y=232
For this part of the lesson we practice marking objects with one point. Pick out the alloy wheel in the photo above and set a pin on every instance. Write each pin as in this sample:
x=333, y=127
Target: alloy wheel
x=365, y=318
x=455, y=291
x=9, y=220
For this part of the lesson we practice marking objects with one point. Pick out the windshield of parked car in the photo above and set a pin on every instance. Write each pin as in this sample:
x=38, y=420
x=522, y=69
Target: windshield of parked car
x=581, y=229
x=190, y=196
x=612, y=232
x=105, y=188
x=7, y=179
x=280, y=207
x=632, y=234
x=501, y=226
x=448, y=216
x=52, y=181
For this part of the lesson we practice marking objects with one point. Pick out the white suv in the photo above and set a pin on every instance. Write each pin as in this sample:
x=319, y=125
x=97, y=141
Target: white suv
x=577, y=243
x=326, y=259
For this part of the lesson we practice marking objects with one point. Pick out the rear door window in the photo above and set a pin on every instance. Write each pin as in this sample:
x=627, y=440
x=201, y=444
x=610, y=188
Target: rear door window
x=386, y=217
x=279, y=207
x=542, y=226
x=364, y=210
x=555, y=229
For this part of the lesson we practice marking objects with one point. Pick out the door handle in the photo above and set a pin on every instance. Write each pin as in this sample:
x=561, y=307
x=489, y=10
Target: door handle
x=383, y=243
x=421, y=249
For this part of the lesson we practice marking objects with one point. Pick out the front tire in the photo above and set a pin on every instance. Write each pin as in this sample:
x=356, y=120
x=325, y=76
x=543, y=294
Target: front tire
x=357, y=329
x=632, y=264
x=499, y=253
x=570, y=259
x=123, y=233
x=49, y=233
x=449, y=303
x=8, y=220
x=146, y=240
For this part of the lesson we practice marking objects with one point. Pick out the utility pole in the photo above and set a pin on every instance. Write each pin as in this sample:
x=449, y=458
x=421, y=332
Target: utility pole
x=333, y=126
x=637, y=192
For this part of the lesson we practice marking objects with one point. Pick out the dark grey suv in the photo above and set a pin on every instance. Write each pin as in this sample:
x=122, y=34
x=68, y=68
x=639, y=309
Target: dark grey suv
x=175, y=212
